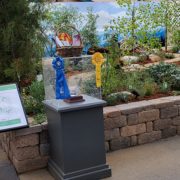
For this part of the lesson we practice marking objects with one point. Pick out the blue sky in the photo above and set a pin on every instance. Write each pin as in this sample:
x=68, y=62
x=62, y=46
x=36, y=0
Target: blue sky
x=106, y=11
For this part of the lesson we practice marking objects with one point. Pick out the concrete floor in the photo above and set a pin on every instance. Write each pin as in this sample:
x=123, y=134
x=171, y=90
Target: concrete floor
x=7, y=171
x=156, y=161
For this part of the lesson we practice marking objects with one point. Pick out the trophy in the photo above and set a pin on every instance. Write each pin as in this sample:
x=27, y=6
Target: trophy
x=62, y=89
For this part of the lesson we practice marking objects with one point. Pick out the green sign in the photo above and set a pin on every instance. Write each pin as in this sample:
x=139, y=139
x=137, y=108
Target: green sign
x=12, y=114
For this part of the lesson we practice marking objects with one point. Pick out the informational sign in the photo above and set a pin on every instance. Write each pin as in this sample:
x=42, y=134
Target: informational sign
x=12, y=114
x=98, y=60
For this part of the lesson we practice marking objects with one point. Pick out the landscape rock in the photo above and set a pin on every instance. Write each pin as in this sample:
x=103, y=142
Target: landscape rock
x=155, y=58
x=129, y=59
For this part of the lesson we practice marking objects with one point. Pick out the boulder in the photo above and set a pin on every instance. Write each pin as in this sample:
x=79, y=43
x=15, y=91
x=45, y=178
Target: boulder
x=129, y=59
x=154, y=58
x=123, y=96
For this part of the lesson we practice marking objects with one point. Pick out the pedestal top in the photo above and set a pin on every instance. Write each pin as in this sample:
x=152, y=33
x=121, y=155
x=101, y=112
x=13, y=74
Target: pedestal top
x=61, y=106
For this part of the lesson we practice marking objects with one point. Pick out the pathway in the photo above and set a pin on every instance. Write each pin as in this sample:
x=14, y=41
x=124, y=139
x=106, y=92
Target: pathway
x=7, y=171
x=156, y=161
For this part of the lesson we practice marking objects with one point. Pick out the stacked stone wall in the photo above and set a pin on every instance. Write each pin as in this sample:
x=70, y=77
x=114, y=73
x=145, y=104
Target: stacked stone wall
x=141, y=122
x=28, y=148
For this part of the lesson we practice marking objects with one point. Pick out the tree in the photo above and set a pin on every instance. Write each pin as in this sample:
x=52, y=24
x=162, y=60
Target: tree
x=21, y=39
x=62, y=17
x=166, y=14
x=89, y=31
x=136, y=27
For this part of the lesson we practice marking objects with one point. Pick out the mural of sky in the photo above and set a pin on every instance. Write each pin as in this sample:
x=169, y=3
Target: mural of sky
x=106, y=11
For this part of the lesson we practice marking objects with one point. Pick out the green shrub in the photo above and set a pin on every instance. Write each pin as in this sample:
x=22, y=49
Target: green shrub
x=36, y=90
x=164, y=87
x=40, y=118
x=163, y=73
x=175, y=49
x=169, y=56
x=89, y=86
x=29, y=103
x=33, y=98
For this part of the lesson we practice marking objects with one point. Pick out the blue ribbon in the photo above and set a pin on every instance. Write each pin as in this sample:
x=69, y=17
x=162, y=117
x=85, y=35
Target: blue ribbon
x=62, y=90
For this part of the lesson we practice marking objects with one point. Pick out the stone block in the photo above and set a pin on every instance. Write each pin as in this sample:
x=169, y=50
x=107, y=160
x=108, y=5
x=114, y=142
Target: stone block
x=133, y=130
x=134, y=107
x=133, y=140
x=30, y=164
x=44, y=125
x=149, y=126
x=162, y=124
x=132, y=119
x=149, y=137
x=149, y=115
x=116, y=122
x=30, y=130
x=121, y=142
x=27, y=140
x=111, y=111
x=111, y=134
x=175, y=99
x=168, y=132
x=178, y=130
x=162, y=103
x=44, y=149
x=44, y=137
x=176, y=121
x=169, y=112
x=107, y=148
x=26, y=152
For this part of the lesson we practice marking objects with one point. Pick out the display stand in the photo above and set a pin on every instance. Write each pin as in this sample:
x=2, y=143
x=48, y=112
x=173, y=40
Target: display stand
x=76, y=131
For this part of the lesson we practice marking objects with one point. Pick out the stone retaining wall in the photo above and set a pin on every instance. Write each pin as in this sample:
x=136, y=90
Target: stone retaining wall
x=141, y=122
x=125, y=125
x=27, y=148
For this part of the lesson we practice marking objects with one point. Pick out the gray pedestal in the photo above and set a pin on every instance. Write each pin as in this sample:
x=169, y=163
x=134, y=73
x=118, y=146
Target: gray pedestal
x=76, y=134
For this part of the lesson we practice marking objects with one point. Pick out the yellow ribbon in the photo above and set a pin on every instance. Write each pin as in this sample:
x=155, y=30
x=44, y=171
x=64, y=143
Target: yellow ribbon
x=98, y=60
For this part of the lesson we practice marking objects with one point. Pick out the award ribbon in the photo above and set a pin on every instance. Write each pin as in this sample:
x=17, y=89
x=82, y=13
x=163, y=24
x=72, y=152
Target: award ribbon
x=62, y=90
x=98, y=60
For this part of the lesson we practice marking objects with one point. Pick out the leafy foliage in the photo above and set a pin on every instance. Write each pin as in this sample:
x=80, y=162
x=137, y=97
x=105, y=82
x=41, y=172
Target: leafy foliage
x=163, y=72
x=40, y=118
x=166, y=14
x=63, y=18
x=89, y=31
x=33, y=98
x=21, y=39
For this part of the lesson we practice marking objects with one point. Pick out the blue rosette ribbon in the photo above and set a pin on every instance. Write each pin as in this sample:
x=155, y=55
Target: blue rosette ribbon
x=62, y=90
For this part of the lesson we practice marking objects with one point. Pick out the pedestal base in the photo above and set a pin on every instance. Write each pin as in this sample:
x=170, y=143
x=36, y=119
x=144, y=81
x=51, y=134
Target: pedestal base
x=93, y=173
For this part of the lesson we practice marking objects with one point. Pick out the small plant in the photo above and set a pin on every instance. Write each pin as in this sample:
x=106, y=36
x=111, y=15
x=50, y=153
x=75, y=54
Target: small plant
x=89, y=86
x=175, y=49
x=40, y=118
x=160, y=53
x=29, y=103
x=143, y=57
x=164, y=87
x=169, y=56
x=33, y=98
x=149, y=88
